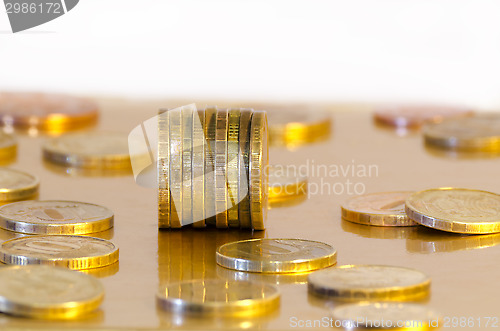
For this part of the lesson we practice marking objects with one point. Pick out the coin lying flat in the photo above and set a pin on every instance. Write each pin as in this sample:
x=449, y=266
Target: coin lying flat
x=416, y=115
x=89, y=150
x=17, y=185
x=276, y=255
x=73, y=252
x=379, y=209
x=8, y=147
x=46, y=112
x=55, y=217
x=285, y=183
x=370, y=282
x=48, y=292
x=456, y=210
x=218, y=297
x=385, y=315
x=480, y=133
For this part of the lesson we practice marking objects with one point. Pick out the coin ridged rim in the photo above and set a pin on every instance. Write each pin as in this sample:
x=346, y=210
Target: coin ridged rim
x=76, y=263
x=63, y=310
x=57, y=229
x=450, y=225
x=187, y=165
x=375, y=219
x=163, y=160
x=209, y=129
x=175, y=168
x=243, y=169
x=82, y=160
x=198, y=174
x=272, y=266
x=221, y=191
x=258, y=187
x=233, y=158
x=244, y=307
x=416, y=291
x=20, y=193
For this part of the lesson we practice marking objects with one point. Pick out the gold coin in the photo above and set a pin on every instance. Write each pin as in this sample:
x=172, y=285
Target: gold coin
x=48, y=292
x=199, y=145
x=243, y=169
x=53, y=113
x=175, y=177
x=17, y=185
x=479, y=133
x=379, y=209
x=187, y=163
x=285, y=184
x=55, y=217
x=163, y=159
x=233, y=160
x=89, y=150
x=456, y=210
x=276, y=255
x=73, y=252
x=220, y=168
x=218, y=297
x=8, y=148
x=210, y=173
x=259, y=163
x=370, y=282
x=385, y=316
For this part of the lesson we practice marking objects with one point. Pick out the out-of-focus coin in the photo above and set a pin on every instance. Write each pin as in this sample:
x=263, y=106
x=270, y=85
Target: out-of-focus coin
x=73, y=252
x=276, y=255
x=199, y=145
x=210, y=173
x=55, y=217
x=285, y=183
x=48, y=292
x=220, y=168
x=259, y=162
x=456, y=210
x=89, y=150
x=415, y=116
x=8, y=147
x=218, y=297
x=187, y=164
x=243, y=169
x=163, y=165
x=233, y=160
x=385, y=316
x=17, y=185
x=175, y=178
x=46, y=112
x=370, y=282
x=379, y=209
x=479, y=133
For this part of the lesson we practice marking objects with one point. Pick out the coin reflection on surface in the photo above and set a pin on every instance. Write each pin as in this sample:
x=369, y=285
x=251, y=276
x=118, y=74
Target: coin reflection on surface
x=103, y=272
x=426, y=241
x=378, y=232
x=86, y=172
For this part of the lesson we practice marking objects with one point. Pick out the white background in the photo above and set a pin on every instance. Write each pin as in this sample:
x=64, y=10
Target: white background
x=356, y=50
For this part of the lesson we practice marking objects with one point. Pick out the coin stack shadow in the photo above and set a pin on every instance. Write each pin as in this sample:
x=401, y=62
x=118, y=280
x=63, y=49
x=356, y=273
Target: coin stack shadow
x=212, y=168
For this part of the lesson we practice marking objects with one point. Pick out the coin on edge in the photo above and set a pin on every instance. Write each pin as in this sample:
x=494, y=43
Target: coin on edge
x=285, y=183
x=276, y=255
x=370, y=282
x=233, y=160
x=218, y=297
x=243, y=169
x=163, y=159
x=480, y=133
x=175, y=168
x=259, y=176
x=55, y=217
x=385, y=315
x=378, y=209
x=187, y=164
x=8, y=147
x=89, y=150
x=17, y=185
x=456, y=210
x=73, y=252
x=221, y=192
x=210, y=173
x=199, y=145
x=48, y=292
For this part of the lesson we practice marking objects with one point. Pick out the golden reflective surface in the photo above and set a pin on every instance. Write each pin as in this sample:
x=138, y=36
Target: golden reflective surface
x=463, y=280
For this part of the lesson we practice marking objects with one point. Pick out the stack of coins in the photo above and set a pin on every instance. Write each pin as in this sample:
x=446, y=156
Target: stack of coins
x=212, y=168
